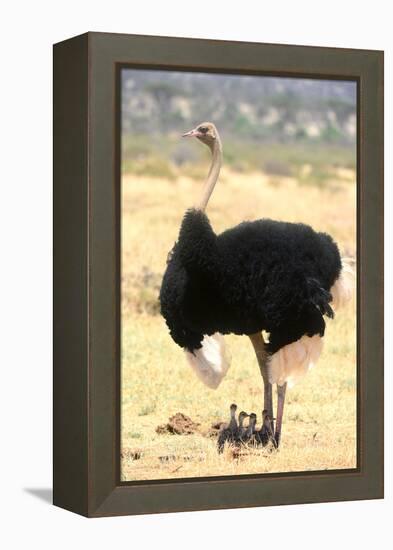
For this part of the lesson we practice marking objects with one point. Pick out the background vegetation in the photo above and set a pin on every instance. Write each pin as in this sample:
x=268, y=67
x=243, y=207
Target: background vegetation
x=275, y=125
x=289, y=149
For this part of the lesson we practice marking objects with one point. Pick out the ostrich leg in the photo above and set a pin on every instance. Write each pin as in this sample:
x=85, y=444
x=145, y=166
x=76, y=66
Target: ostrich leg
x=259, y=348
x=280, y=409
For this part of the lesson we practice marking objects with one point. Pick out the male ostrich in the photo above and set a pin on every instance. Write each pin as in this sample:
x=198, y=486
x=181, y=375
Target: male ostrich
x=265, y=275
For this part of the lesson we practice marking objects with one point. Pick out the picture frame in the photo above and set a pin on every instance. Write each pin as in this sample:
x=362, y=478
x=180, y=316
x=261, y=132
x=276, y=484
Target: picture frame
x=86, y=382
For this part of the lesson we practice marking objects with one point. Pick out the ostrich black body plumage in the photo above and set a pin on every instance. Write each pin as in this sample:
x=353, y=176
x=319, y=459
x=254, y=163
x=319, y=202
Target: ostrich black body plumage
x=261, y=275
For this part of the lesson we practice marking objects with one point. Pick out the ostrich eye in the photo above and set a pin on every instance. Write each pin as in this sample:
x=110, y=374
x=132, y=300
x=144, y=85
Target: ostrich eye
x=203, y=129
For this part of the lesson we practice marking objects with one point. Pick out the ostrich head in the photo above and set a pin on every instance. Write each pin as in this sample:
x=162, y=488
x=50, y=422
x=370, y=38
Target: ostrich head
x=242, y=416
x=253, y=419
x=207, y=133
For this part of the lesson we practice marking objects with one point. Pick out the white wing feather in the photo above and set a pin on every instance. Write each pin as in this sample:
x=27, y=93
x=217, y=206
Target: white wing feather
x=210, y=362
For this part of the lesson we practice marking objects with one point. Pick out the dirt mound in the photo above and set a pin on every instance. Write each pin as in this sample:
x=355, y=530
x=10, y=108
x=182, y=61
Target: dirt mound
x=178, y=424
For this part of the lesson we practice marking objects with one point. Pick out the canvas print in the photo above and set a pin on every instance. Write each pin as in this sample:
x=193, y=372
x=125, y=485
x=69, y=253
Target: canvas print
x=238, y=274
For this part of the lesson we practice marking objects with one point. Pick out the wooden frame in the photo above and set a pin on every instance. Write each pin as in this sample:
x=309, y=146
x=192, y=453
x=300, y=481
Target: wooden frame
x=86, y=274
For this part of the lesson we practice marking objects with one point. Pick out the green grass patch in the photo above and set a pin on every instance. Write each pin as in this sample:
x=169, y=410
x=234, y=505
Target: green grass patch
x=311, y=162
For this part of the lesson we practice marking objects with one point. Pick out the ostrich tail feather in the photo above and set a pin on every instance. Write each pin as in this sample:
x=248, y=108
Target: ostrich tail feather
x=292, y=362
x=210, y=362
x=343, y=288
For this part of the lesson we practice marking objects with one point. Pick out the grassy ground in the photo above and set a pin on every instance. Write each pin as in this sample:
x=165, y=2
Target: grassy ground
x=319, y=429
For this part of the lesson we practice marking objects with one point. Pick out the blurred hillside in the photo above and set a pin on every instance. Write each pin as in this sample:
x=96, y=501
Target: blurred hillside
x=259, y=108
x=275, y=125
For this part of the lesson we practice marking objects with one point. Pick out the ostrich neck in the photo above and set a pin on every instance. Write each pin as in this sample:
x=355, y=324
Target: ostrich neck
x=212, y=176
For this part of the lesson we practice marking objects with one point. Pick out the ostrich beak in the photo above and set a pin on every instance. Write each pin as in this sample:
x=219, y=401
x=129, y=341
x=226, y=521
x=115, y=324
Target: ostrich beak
x=191, y=133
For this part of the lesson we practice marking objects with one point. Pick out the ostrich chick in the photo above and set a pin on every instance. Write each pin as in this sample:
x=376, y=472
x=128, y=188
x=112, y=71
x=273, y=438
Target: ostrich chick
x=242, y=430
x=251, y=426
x=230, y=432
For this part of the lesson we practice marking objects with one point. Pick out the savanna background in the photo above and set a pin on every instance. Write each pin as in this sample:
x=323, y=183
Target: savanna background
x=289, y=154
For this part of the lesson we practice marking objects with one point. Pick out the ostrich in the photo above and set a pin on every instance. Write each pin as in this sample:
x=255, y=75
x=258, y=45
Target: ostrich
x=242, y=430
x=233, y=422
x=265, y=434
x=229, y=432
x=233, y=433
x=262, y=276
x=251, y=427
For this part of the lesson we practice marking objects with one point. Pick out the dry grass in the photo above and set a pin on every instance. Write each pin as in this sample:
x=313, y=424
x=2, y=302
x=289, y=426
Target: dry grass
x=320, y=418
